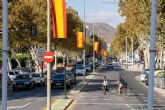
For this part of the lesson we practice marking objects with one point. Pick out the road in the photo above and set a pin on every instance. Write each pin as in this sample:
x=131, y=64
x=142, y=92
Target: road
x=34, y=99
x=92, y=97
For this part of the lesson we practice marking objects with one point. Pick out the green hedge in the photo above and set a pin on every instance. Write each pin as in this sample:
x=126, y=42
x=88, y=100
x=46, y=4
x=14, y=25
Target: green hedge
x=22, y=58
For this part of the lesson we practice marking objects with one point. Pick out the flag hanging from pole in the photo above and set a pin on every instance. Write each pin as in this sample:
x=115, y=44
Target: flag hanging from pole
x=80, y=40
x=59, y=18
x=96, y=46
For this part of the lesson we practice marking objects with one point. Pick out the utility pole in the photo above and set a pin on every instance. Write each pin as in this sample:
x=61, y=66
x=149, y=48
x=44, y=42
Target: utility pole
x=84, y=38
x=152, y=55
x=4, y=52
x=126, y=53
x=132, y=53
x=48, y=64
x=93, y=49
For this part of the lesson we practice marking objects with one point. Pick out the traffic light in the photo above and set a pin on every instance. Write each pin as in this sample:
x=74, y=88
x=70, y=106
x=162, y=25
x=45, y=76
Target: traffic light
x=33, y=30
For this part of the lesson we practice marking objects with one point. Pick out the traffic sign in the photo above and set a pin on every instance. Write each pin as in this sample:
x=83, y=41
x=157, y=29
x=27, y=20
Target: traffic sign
x=40, y=53
x=48, y=57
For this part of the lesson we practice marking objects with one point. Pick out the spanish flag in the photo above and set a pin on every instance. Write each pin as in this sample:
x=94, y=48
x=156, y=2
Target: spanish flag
x=59, y=18
x=80, y=40
x=96, y=46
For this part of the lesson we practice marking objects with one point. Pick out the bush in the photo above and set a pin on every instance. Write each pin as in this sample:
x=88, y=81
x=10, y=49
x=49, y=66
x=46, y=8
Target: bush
x=22, y=58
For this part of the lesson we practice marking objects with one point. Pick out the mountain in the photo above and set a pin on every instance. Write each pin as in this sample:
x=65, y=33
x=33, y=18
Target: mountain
x=102, y=30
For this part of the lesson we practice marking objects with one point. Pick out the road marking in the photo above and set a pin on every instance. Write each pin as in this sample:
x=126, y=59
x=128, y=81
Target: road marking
x=17, y=107
x=129, y=107
x=107, y=99
x=94, y=99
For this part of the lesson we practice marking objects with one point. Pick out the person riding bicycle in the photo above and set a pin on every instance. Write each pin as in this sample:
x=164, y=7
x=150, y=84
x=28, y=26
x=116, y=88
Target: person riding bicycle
x=120, y=85
x=105, y=85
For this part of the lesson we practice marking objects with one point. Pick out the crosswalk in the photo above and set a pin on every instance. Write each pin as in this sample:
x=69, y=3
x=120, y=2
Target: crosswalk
x=118, y=101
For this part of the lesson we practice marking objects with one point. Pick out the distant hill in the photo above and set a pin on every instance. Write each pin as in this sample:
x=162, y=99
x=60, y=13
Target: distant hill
x=102, y=29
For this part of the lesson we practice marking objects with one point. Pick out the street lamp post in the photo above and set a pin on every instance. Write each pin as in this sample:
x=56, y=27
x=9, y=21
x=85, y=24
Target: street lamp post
x=152, y=55
x=48, y=65
x=5, y=52
x=132, y=53
x=84, y=29
x=93, y=50
x=126, y=53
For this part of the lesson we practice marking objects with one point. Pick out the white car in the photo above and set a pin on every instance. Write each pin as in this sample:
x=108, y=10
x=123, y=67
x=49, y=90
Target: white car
x=38, y=78
x=88, y=68
x=80, y=70
x=143, y=75
x=12, y=75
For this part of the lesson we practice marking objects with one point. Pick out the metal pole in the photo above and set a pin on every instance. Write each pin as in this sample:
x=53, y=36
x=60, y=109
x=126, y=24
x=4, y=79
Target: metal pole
x=65, y=97
x=48, y=64
x=132, y=53
x=126, y=52
x=84, y=37
x=4, y=52
x=93, y=49
x=152, y=56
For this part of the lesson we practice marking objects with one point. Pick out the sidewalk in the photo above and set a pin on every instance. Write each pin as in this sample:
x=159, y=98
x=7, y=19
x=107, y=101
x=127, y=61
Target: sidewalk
x=63, y=104
x=156, y=89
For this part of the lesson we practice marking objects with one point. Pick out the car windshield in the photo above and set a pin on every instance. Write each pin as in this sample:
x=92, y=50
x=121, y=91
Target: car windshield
x=60, y=70
x=22, y=77
x=16, y=72
x=80, y=67
x=59, y=76
x=11, y=73
x=35, y=75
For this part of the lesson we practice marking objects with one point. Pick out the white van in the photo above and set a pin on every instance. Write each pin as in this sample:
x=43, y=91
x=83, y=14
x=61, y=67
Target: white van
x=12, y=75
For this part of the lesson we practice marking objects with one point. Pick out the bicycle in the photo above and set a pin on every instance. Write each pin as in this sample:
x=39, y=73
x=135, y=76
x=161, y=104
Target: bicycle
x=125, y=90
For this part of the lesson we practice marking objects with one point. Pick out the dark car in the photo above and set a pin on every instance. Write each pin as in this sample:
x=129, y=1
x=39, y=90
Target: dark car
x=71, y=76
x=23, y=81
x=58, y=80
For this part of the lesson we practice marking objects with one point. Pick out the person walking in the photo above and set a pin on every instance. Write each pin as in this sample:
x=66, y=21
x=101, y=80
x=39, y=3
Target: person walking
x=105, y=85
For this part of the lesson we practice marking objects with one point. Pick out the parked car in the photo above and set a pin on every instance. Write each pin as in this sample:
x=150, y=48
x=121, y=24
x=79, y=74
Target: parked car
x=38, y=78
x=143, y=75
x=80, y=71
x=71, y=76
x=58, y=80
x=157, y=71
x=12, y=75
x=23, y=81
x=88, y=68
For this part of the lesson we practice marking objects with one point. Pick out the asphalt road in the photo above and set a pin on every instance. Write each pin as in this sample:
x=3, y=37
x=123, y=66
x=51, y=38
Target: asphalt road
x=92, y=97
x=34, y=99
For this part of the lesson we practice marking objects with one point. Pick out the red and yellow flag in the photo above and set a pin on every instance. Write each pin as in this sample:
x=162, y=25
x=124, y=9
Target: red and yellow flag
x=96, y=46
x=80, y=40
x=103, y=52
x=59, y=18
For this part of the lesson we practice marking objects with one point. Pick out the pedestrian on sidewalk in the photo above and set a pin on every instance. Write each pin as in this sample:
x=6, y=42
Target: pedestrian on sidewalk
x=105, y=85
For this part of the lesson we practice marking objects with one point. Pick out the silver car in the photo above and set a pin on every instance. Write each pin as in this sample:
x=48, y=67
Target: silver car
x=80, y=70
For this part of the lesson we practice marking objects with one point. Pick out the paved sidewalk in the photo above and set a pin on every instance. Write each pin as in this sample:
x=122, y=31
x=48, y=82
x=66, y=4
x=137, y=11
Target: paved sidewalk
x=158, y=90
x=63, y=104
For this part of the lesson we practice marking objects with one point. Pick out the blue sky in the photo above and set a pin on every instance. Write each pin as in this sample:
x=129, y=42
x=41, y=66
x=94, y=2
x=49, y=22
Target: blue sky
x=97, y=11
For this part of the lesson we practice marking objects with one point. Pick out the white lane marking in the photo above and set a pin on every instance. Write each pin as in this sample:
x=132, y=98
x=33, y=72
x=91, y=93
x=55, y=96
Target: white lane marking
x=120, y=99
x=129, y=107
x=17, y=107
x=107, y=99
x=158, y=100
x=94, y=99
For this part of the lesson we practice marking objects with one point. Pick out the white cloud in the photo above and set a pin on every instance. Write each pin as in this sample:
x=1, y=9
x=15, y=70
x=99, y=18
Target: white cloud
x=110, y=18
